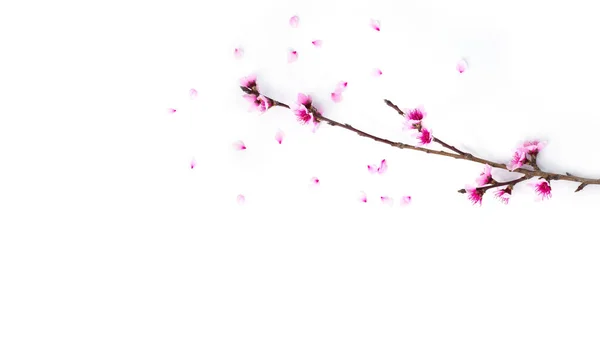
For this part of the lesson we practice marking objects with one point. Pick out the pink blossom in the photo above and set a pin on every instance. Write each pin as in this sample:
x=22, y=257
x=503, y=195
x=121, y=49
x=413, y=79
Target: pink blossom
x=239, y=145
x=532, y=147
x=485, y=177
x=503, y=194
x=238, y=53
x=303, y=114
x=362, y=197
x=387, y=200
x=294, y=21
x=279, y=136
x=336, y=96
x=381, y=169
x=519, y=158
x=475, y=195
x=377, y=72
x=375, y=25
x=405, y=200
x=543, y=189
x=292, y=56
x=416, y=114
x=260, y=103
x=461, y=66
x=424, y=137
x=248, y=81
x=317, y=43
x=171, y=110
x=241, y=199
x=304, y=99
x=193, y=94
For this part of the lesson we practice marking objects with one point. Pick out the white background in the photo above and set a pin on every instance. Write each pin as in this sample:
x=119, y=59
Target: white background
x=107, y=235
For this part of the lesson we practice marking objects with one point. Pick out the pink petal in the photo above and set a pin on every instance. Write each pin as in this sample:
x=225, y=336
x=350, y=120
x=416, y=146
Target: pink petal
x=363, y=197
x=303, y=99
x=383, y=167
x=238, y=53
x=461, y=66
x=314, y=181
x=341, y=86
x=336, y=97
x=377, y=72
x=241, y=199
x=406, y=200
x=372, y=168
x=279, y=136
x=292, y=56
x=171, y=110
x=387, y=200
x=193, y=94
x=375, y=25
x=294, y=21
x=239, y=145
x=318, y=43
x=193, y=164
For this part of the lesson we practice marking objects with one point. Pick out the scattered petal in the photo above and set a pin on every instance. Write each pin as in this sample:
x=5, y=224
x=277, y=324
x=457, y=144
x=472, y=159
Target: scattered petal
x=241, y=199
x=405, y=200
x=362, y=197
x=239, y=145
x=294, y=21
x=279, y=136
x=375, y=25
x=461, y=66
x=519, y=158
x=336, y=96
x=382, y=167
x=377, y=72
x=171, y=110
x=238, y=53
x=387, y=200
x=193, y=164
x=314, y=181
x=341, y=86
x=193, y=94
x=318, y=43
x=292, y=56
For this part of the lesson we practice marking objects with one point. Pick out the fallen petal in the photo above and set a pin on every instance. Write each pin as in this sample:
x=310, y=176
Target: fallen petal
x=461, y=66
x=294, y=21
x=241, y=199
x=377, y=72
x=239, y=145
x=387, y=200
x=383, y=167
x=375, y=25
x=318, y=43
x=193, y=164
x=171, y=110
x=314, y=181
x=193, y=94
x=341, y=86
x=336, y=97
x=363, y=197
x=238, y=53
x=405, y=200
x=292, y=56
x=279, y=136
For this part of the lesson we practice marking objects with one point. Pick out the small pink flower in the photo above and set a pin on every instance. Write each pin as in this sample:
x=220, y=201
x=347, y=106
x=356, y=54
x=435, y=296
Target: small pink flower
x=375, y=25
x=362, y=197
x=405, y=200
x=303, y=114
x=341, y=86
x=532, y=147
x=503, y=194
x=519, y=158
x=238, y=53
x=248, y=81
x=241, y=199
x=336, y=96
x=279, y=136
x=304, y=100
x=171, y=110
x=377, y=72
x=416, y=114
x=387, y=200
x=294, y=21
x=193, y=94
x=485, y=177
x=239, y=145
x=424, y=137
x=543, y=189
x=193, y=164
x=475, y=195
x=314, y=181
x=461, y=66
x=292, y=56
x=381, y=169
x=259, y=103
x=317, y=43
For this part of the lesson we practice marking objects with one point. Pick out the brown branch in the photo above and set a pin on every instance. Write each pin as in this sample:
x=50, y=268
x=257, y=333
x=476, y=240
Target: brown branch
x=498, y=184
x=457, y=154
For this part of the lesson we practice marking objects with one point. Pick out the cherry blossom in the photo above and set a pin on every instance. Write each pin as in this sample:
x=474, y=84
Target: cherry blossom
x=239, y=145
x=381, y=169
x=341, y=86
x=485, y=177
x=503, y=194
x=249, y=82
x=375, y=25
x=292, y=56
x=461, y=66
x=192, y=164
x=294, y=21
x=532, y=147
x=475, y=195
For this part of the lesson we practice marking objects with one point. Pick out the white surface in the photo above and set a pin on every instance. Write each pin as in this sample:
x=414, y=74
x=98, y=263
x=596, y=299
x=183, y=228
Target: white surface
x=107, y=235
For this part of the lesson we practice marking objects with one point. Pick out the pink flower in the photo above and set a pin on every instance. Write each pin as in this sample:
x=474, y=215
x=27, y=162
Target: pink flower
x=362, y=197
x=377, y=72
x=260, y=103
x=171, y=110
x=238, y=53
x=375, y=25
x=532, y=147
x=387, y=200
x=485, y=177
x=519, y=158
x=381, y=169
x=294, y=21
x=239, y=145
x=279, y=136
x=241, y=199
x=317, y=43
x=248, y=81
x=304, y=99
x=336, y=96
x=461, y=66
x=424, y=137
x=405, y=200
x=303, y=114
x=543, y=189
x=416, y=114
x=504, y=194
x=475, y=195
x=292, y=56
x=193, y=94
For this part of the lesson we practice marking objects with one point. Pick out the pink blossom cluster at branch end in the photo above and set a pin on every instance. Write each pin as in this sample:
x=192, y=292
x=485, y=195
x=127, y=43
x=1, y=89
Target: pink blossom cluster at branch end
x=414, y=121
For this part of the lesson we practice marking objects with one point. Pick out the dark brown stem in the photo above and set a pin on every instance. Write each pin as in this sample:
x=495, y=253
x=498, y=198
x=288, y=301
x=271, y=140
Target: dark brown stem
x=498, y=184
x=456, y=154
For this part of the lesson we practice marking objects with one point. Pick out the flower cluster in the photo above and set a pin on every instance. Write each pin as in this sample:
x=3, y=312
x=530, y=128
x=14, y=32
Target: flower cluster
x=258, y=101
x=526, y=154
x=414, y=121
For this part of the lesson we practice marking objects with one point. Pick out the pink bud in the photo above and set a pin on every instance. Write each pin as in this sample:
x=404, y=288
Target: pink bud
x=171, y=110
x=241, y=199
x=193, y=164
